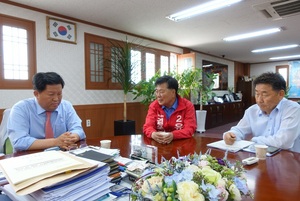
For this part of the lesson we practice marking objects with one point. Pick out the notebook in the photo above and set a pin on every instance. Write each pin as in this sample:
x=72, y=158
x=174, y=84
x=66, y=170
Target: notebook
x=237, y=145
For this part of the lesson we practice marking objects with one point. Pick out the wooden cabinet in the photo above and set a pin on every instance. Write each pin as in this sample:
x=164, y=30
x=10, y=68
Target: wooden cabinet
x=247, y=91
x=220, y=114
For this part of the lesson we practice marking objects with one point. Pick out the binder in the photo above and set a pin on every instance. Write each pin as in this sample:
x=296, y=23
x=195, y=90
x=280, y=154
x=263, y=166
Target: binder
x=95, y=155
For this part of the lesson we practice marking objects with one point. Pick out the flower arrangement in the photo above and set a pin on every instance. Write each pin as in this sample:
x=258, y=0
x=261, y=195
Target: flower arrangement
x=198, y=177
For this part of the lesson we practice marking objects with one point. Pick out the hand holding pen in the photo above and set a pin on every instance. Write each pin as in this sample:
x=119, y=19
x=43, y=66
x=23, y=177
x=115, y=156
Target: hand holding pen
x=229, y=138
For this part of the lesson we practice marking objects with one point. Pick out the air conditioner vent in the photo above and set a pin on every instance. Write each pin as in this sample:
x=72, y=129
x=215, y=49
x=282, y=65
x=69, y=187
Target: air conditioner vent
x=288, y=8
x=279, y=9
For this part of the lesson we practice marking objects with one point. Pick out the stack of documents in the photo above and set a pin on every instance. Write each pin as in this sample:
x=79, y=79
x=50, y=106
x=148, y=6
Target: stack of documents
x=91, y=185
x=112, y=152
x=114, y=172
x=3, y=179
x=54, y=175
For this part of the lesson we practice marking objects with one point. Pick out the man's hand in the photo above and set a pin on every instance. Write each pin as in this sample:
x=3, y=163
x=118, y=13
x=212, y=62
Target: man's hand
x=67, y=140
x=229, y=138
x=162, y=137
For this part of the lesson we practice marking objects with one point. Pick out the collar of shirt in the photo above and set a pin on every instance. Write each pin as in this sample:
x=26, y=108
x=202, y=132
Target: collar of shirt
x=39, y=109
x=170, y=110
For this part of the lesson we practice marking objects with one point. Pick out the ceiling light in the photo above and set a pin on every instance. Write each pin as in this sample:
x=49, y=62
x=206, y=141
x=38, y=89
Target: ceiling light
x=285, y=57
x=252, y=34
x=208, y=65
x=203, y=8
x=275, y=48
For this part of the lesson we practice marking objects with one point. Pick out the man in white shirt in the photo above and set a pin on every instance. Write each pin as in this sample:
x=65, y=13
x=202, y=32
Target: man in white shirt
x=273, y=120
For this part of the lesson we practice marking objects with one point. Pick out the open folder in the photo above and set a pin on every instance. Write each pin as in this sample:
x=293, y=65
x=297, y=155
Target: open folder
x=32, y=172
x=237, y=145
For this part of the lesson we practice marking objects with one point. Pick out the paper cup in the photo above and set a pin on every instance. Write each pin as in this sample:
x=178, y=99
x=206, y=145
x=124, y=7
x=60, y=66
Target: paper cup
x=105, y=144
x=261, y=151
x=164, y=133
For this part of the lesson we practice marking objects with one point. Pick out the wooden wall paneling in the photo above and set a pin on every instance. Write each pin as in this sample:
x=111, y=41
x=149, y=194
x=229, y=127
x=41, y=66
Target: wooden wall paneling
x=102, y=117
x=240, y=69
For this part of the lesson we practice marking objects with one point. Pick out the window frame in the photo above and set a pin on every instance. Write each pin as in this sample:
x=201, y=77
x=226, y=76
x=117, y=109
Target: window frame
x=107, y=84
x=29, y=26
x=287, y=67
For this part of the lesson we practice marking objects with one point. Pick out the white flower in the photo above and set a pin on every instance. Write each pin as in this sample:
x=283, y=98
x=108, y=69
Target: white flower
x=193, y=168
x=221, y=183
x=203, y=163
x=155, y=182
x=188, y=191
x=223, y=195
x=235, y=192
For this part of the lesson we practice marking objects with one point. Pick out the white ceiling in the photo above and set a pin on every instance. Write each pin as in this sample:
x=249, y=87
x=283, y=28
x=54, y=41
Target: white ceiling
x=202, y=33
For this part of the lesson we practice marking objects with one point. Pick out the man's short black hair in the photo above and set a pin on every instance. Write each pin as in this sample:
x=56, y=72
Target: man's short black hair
x=41, y=80
x=171, y=82
x=274, y=79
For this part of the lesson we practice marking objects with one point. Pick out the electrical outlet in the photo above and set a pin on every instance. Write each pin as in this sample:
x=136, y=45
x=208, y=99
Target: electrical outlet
x=88, y=123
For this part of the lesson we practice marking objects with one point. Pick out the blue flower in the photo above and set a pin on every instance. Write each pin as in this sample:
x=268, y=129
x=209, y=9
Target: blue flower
x=211, y=190
x=241, y=185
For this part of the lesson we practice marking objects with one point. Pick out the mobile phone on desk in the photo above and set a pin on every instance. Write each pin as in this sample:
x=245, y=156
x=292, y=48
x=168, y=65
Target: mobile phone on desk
x=271, y=151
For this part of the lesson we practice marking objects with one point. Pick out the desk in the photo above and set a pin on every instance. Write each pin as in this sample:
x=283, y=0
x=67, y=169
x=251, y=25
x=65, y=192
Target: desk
x=275, y=179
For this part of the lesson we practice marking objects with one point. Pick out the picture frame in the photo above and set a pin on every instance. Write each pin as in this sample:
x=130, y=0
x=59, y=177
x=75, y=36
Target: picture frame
x=61, y=30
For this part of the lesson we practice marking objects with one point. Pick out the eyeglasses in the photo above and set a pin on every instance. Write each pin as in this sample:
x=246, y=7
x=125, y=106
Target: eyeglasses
x=160, y=91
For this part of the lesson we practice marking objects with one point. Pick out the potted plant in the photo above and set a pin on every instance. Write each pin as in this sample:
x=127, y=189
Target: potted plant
x=145, y=90
x=204, y=94
x=121, y=68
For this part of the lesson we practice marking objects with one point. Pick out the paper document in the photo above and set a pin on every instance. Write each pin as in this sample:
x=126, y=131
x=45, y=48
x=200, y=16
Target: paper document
x=29, y=166
x=42, y=169
x=237, y=145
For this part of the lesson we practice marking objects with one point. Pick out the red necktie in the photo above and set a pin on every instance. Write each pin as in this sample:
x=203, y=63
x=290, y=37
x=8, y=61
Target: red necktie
x=48, y=127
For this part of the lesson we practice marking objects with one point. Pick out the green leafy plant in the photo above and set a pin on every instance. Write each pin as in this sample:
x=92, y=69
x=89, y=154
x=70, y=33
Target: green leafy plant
x=287, y=92
x=206, y=89
x=190, y=82
x=145, y=90
x=121, y=67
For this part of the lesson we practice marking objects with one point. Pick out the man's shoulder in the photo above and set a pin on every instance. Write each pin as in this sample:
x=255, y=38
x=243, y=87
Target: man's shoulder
x=64, y=104
x=25, y=102
x=290, y=103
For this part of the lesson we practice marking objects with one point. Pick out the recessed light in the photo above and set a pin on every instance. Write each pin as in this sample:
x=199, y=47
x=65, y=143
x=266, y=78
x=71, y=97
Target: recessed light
x=253, y=34
x=275, y=48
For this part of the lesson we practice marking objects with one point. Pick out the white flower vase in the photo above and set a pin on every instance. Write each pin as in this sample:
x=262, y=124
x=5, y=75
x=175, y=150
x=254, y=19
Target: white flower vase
x=201, y=118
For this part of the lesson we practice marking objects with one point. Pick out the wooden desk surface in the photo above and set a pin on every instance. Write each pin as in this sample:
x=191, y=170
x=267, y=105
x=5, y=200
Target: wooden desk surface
x=275, y=179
